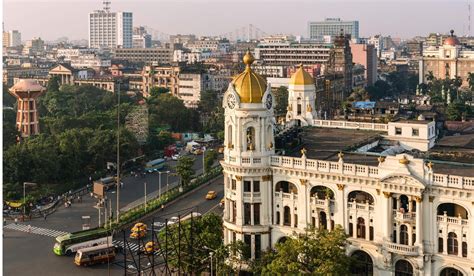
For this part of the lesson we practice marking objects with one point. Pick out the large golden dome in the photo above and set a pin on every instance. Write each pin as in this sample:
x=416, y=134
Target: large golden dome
x=249, y=85
x=301, y=77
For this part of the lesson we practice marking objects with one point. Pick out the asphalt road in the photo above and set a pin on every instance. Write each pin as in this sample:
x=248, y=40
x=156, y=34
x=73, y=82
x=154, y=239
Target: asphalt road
x=31, y=253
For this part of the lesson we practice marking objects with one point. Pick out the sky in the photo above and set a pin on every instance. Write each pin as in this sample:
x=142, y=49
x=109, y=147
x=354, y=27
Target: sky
x=51, y=19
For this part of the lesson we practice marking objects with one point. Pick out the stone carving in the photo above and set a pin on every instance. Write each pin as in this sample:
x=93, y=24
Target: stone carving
x=341, y=187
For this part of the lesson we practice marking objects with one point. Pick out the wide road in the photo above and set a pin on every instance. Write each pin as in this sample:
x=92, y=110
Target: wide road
x=31, y=253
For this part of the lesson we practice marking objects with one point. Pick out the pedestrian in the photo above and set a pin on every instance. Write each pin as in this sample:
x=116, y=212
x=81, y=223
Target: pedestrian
x=121, y=184
x=16, y=220
x=162, y=207
x=4, y=221
x=29, y=228
x=44, y=216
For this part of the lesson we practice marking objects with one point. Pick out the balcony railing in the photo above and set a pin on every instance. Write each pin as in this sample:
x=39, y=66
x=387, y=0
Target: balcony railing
x=402, y=249
x=453, y=220
x=360, y=206
x=407, y=216
x=286, y=195
x=466, y=183
x=322, y=203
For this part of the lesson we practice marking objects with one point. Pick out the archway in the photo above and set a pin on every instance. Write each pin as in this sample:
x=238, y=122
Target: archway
x=286, y=216
x=321, y=192
x=452, y=243
x=361, y=228
x=363, y=264
x=286, y=187
x=449, y=271
x=361, y=197
x=323, y=222
x=282, y=239
x=404, y=234
x=403, y=268
x=452, y=210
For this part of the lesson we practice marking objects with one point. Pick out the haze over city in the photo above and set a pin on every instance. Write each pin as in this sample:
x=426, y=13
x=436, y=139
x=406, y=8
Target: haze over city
x=398, y=18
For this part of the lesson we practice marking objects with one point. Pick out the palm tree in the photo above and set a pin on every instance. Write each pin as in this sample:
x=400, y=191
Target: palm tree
x=430, y=76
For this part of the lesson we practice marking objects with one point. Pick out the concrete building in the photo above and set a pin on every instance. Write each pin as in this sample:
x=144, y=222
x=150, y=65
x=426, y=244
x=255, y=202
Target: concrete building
x=160, y=76
x=403, y=215
x=190, y=86
x=366, y=55
x=11, y=38
x=209, y=44
x=27, y=92
x=332, y=27
x=110, y=29
x=163, y=55
x=377, y=41
x=450, y=59
x=141, y=39
x=288, y=52
x=34, y=46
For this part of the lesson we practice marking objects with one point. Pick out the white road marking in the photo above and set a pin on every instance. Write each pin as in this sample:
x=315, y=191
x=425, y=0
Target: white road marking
x=35, y=230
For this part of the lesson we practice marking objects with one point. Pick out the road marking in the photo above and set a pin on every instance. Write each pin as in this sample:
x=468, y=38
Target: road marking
x=35, y=230
x=131, y=246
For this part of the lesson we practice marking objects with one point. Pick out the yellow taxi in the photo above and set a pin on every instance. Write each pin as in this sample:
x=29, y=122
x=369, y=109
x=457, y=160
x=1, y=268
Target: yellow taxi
x=151, y=247
x=138, y=231
x=211, y=195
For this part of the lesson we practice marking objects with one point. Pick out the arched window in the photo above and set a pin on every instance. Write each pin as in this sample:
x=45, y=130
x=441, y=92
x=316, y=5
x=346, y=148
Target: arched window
x=464, y=249
x=360, y=197
x=286, y=187
x=251, y=138
x=440, y=245
x=403, y=203
x=282, y=240
x=298, y=106
x=323, y=222
x=404, y=234
x=286, y=216
x=452, y=210
x=277, y=221
x=449, y=271
x=229, y=136
x=361, y=228
x=296, y=220
x=403, y=268
x=321, y=192
x=363, y=264
x=452, y=243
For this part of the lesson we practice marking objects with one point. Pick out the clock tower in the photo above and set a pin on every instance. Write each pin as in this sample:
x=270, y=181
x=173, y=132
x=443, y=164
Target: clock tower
x=301, y=98
x=249, y=145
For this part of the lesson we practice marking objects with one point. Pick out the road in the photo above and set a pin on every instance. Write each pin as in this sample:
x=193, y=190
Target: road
x=31, y=253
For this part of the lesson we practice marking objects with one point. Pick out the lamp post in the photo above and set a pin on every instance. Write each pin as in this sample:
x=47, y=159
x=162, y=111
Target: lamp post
x=118, y=150
x=210, y=255
x=167, y=181
x=145, y=194
x=24, y=196
x=203, y=159
x=159, y=184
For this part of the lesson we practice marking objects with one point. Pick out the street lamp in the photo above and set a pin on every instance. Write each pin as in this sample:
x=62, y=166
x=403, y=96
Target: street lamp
x=144, y=183
x=159, y=182
x=24, y=196
x=210, y=255
x=118, y=150
x=167, y=181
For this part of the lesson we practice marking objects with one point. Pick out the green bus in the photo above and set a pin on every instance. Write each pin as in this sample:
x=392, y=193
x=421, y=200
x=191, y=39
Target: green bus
x=69, y=243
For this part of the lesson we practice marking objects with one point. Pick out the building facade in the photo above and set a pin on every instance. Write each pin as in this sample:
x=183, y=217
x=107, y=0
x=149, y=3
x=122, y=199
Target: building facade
x=146, y=55
x=403, y=215
x=366, y=55
x=332, y=27
x=11, y=38
x=110, y=29
x=449, y=60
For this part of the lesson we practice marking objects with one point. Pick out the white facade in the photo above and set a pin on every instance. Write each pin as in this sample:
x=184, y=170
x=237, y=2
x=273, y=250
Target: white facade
x=419, y=135
x=377, y=41
x=301, y=104
x=189, y=89
x=110, y=29
x=400, y=212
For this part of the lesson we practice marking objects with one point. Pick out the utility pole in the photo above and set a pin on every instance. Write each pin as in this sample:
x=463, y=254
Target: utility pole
x=118, y=152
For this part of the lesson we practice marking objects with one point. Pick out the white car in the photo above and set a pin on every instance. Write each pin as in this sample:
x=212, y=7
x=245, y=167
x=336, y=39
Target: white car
x=158, y=225
x=173, y=220
x=175, y=157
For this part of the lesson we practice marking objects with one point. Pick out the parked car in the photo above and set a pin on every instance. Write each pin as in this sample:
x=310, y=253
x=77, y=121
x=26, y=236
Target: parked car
x=172, y=220
x=175, y=157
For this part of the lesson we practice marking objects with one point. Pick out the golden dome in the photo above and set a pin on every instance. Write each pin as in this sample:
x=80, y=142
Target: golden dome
x=301, y=77
x=249, y=85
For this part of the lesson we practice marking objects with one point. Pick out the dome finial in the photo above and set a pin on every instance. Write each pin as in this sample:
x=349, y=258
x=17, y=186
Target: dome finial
x=248, y=58
x=452, y=32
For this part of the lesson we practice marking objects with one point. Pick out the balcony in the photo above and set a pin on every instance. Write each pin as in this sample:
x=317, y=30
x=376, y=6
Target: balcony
x=407, y=250
x=285, y=196
x=321, y=203
x=452, y=220
x=404, y=216
x=360, y=206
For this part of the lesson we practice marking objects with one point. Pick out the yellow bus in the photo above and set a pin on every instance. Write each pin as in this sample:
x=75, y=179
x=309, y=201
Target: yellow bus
x=95, y=255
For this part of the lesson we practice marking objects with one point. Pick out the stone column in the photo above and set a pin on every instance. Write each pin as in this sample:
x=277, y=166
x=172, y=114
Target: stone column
x=367, y=228
x=239, y=201
x=459, y=238
x=387, y=221
x=354, y=229
x=445, y=242
x=303, y=204
x=397, y=235
x=419, y=221
x=340, y=208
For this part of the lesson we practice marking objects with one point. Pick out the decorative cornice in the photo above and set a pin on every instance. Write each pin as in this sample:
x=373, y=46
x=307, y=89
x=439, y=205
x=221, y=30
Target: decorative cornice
x=387, y=194
x=266, y=178
x=419, y=198
x=304, y=182
x=238, y=177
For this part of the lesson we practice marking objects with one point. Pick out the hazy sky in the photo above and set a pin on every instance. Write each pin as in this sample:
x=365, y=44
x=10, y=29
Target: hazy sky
x=50, y=19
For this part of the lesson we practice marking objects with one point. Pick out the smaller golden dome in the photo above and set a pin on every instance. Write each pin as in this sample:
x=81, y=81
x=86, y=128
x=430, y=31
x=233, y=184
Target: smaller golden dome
x=301, y=77
x=249, y=85
x=404, y=160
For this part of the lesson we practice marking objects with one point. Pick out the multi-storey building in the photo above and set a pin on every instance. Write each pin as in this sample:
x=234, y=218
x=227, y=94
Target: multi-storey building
x=332, y=27
x=110, y=29
x=449, y=60
x=366, y=55
x=141, y=39
x=403, y=215
x=11, y=38
x=34, y=46
x=146, y=55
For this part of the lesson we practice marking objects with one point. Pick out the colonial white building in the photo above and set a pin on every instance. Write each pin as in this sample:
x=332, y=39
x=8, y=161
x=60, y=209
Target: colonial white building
x=402, y=215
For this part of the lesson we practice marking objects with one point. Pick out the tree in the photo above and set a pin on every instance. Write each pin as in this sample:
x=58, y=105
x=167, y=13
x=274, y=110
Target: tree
x=167, y=110
x=281, y=101
x=457, y=110
x=156, y=91
x=184, y=169
x=10, y=131
x=317, y=252
x=8, y=99
x=470, y=80
x=211, y=156
x=53, y=84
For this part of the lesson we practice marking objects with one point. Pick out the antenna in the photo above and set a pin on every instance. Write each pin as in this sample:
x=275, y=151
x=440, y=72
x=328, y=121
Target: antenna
x=106, y=5
x=468, y=18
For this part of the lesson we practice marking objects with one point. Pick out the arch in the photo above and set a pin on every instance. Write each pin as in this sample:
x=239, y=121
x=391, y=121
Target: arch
x=282, y=239
x=403, y=268
x=360, y=197
x=298, y=106
x=403, y=234
x=250, y=138
x=229, y=135
x=363, y=265
x=452, y=210
x=321, y=192
x=404, y=203
x=453, y=246
x=286, y=187
x=361, y=228
x=277, y=219
x=286, y=216
x=323, y=221
x=450, y=271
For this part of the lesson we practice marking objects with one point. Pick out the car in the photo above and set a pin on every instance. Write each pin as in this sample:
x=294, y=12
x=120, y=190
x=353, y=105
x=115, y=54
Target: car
x=211, y=195
x=138, y=231
x=172, y=220
x=157, y=225
x=151, y=247
x=175, y=157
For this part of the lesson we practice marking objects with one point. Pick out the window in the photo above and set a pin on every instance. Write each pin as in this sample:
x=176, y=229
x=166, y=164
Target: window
x=256, y=186
x=440, y=245
x=256, y=213
x=234, y=211
x=452, y=244
x=415, y=132
x=247, y=241
x=351, y=229
x=277, y=221
x=398, y=131
x=361, y=228
x=371, y=233
x=286, y=216
x=258, y=246
x=464, y=249
x=234, y=184
x=403, y=268
x=247, y=186
x=404, y=235
x=247, y=216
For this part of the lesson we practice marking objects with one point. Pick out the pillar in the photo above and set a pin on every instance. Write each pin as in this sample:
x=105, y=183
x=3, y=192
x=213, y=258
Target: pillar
x=367, y=228
x=419, y=221
x=445, y=241
x=354, y=228
x=387, y=208
x=397, y=235
x=459, y=238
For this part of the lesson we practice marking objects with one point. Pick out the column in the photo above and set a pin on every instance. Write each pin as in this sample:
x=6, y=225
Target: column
x=367, y=228
x=251, y=214
x=445, y=242
x=460, y=244
x=328, y=217
x=239, y=201
x=410, y=234
x=354, y=228
x=419, y=221
x=340, y=208
x=282, y=213
x=410, y=205
x=292, y=214
x=387, y=209
x=397, y=235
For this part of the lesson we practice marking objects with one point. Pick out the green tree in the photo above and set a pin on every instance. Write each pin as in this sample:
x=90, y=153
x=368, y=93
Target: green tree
x=456, y=110
x=470, y=80
x=184, y=169
x=211, y=156
x=167, y=110
x=156, y=91
x=8, y=99
x=281, y=101
x=317, y=252
x=53, y=84
x=10, y=132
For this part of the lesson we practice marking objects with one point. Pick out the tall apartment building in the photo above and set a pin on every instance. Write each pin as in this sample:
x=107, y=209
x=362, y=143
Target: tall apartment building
x=141, y=39
x=449, y=60
x=366, y=55
x=332, y=27
x=110, y=29
x=11, y=38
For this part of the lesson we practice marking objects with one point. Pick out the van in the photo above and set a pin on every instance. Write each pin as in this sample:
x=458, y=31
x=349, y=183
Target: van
x=100, y=254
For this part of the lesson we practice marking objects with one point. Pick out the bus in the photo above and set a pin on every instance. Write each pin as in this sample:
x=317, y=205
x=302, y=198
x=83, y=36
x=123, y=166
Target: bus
x=95, y=255
x=108, y=182
x=155, y=165
x=69, y=243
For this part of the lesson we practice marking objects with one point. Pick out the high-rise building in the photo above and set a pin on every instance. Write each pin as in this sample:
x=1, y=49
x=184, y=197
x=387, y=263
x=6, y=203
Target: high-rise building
x=332, y=27
x=141, y=39
x=11, y=38
x=365, y=54
x=110, y=29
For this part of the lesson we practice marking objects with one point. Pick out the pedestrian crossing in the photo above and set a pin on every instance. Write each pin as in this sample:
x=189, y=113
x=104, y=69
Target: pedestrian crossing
x=130, y=246
x=35, y=230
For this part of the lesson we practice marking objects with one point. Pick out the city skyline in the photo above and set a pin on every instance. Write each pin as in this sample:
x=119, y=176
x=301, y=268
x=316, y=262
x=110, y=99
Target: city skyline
x=404, y=23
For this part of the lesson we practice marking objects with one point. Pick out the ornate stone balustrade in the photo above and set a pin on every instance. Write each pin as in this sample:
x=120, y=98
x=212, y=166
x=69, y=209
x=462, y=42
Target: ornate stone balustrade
x=452, y=220
x=407, y=250
x=350, y=125
x=453, y=181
